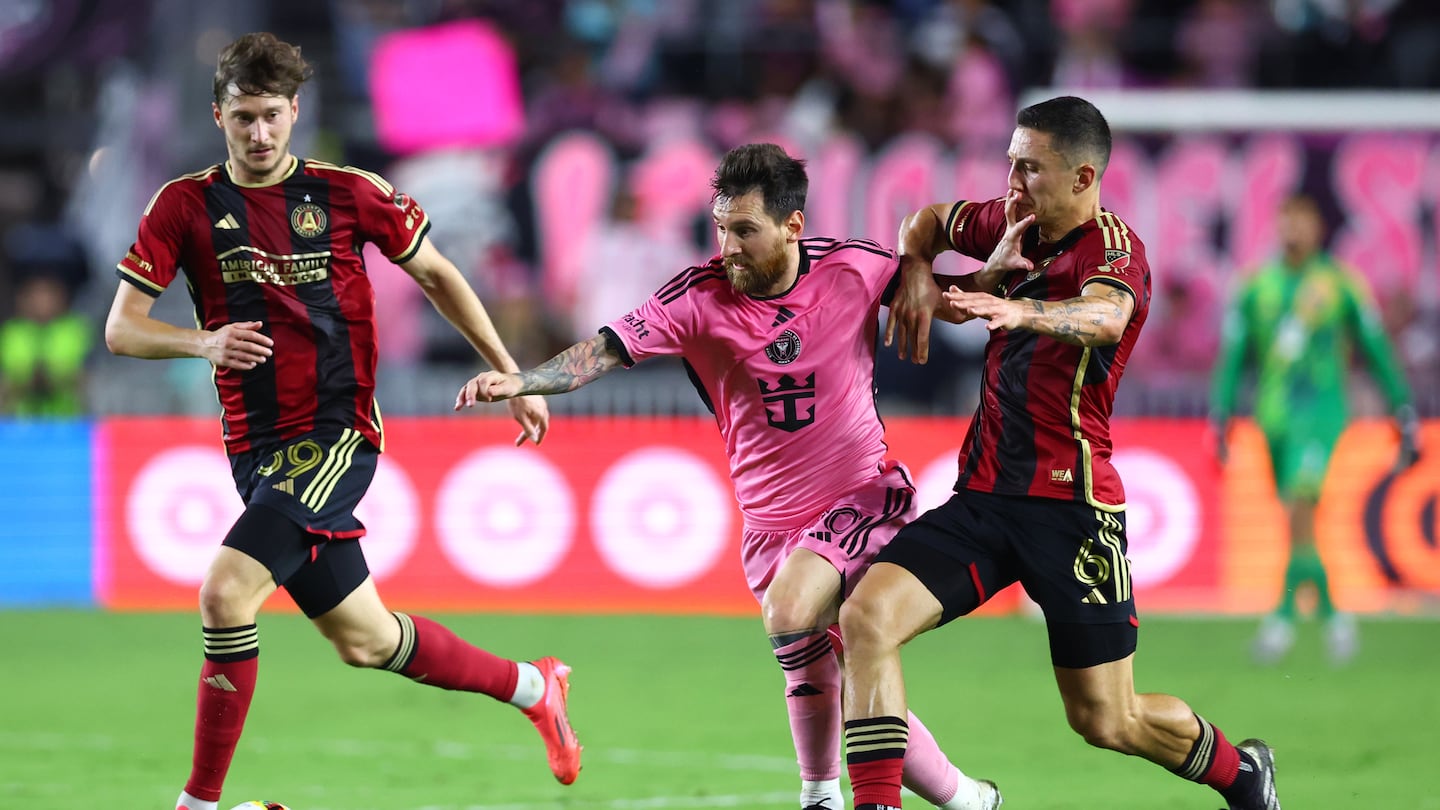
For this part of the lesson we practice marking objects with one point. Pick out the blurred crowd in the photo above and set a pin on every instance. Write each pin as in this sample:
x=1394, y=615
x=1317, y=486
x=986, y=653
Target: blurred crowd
x=109, y=99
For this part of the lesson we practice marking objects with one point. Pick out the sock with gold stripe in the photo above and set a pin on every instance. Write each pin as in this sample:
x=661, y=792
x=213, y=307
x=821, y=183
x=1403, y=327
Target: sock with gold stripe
x=431, y=654
x=875, y=757
x=227, y=684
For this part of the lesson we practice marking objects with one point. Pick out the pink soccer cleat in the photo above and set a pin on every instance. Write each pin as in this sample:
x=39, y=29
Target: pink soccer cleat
x=562, y=747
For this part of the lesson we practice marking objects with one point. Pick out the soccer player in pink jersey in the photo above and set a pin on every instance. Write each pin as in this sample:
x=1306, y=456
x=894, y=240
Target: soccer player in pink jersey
x=1065, y=292
x=778, y=332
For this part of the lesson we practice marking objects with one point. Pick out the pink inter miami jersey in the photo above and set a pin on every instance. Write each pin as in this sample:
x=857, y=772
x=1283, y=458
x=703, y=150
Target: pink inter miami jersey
x=790, y=378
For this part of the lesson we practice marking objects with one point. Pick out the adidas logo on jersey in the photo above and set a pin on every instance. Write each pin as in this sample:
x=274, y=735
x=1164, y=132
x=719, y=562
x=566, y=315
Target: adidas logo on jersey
x=287, y=486
x=227, y=223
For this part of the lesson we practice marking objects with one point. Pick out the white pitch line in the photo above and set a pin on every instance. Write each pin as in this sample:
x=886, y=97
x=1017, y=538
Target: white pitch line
x=442, y=749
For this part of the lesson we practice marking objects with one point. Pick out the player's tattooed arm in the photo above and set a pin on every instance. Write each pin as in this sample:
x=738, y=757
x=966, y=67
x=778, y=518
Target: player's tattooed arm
x=572, y=368
x=1096, y=318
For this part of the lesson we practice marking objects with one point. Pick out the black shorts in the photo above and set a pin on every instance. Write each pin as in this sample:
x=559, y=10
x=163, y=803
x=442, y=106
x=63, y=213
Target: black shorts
x=1070, y=558
x=299, y=517
x=315, y=480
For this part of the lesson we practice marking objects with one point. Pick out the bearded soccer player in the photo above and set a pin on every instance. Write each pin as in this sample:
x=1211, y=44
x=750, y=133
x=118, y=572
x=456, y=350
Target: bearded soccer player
x=1298, y=322
x=270, y=247
x=778, y=333
x=1065, y=292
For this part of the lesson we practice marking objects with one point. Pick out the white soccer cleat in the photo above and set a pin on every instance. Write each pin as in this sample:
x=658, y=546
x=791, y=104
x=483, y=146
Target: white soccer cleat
x=1342, y=638
x=1273, y=641
x=990, y=796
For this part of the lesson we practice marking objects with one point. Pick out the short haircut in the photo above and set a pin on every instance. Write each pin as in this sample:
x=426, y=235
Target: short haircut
x=260, y=64
x=780, y=179
x=1077, y=130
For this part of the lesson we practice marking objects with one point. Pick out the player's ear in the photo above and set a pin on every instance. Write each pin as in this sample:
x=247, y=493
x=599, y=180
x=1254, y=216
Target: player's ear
x=1084, y=177
x=794, y=226
x=215, y=111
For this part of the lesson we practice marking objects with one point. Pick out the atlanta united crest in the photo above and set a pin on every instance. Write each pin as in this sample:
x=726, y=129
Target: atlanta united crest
x=784, y=349
x=308, y=220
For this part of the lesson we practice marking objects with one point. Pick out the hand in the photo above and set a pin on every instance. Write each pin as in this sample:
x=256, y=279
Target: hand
x=911, y=309
x=534, y=417
x=1007, y=254
x=488, y=386
x=1002, y=313
x=239, y=346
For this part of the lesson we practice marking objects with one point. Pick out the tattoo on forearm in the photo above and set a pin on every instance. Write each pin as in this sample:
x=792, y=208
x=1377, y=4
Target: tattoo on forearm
x=569, y=369
x=1079, y=320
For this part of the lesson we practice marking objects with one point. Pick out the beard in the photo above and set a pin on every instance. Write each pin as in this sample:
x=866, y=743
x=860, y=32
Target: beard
x=759, y=277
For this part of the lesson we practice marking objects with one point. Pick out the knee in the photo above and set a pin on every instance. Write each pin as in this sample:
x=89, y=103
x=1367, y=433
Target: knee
x=224, y=602
x=1111, y=730
x=789, y=616
x=866, y=623
x=361, y=650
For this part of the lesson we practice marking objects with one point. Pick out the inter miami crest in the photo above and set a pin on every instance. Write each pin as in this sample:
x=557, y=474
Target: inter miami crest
x=784, y=349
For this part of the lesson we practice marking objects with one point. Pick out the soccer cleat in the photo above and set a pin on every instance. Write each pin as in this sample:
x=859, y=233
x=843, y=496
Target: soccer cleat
x=1265, y=795
x=823, y=804
x=1274, y=640
x=990, y=798
x=1342, y=638
x=562, y=748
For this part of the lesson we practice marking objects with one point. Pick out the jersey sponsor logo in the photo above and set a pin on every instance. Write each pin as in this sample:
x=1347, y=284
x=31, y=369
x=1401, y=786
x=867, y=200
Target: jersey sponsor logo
x=227, y=223
x=262, y=268
x=308, y=220
x=788, y=395
x=784, y=349
x=636, y=325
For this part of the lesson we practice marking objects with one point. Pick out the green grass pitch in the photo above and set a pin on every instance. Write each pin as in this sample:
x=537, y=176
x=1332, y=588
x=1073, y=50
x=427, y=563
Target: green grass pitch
x=95, y=711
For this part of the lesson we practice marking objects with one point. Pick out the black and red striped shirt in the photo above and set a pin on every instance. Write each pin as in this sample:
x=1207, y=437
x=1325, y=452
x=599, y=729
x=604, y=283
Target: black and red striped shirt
x=1042, y=428
x=288, y=254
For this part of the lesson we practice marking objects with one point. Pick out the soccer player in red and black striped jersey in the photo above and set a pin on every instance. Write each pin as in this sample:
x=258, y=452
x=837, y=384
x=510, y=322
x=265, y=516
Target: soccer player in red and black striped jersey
x=1065, y=291
x=269, y=244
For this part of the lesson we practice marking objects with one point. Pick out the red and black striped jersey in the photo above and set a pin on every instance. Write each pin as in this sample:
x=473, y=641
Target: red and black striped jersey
x=1042, y=428
x=287, y=254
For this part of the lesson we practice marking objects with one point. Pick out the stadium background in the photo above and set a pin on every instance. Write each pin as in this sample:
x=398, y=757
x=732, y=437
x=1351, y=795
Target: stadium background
x=562, y=149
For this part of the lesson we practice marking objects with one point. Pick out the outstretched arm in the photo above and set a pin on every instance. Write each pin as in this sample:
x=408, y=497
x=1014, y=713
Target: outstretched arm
x=1097, y=317
x=566, y=371
x=923, y=236
x=453, y=297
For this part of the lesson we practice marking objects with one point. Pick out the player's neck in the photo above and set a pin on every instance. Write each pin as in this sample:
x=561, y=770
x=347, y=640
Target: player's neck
x=244, y=177
x=1063, y=224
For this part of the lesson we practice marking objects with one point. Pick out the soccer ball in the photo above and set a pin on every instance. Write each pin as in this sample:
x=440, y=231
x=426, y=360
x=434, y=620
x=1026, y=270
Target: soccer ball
x=260, y=806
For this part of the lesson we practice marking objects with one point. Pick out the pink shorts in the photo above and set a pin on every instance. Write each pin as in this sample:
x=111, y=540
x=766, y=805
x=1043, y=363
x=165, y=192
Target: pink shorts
x=848, y=534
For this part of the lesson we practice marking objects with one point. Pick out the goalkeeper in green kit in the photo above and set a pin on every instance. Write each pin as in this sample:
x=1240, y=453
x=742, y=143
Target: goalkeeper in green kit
x=1297, y=321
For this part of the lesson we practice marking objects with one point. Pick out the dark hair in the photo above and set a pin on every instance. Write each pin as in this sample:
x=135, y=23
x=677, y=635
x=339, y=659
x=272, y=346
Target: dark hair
x=1077, y=130
x=260, y=64
x=780, y=179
